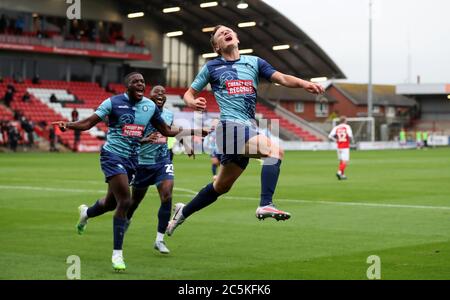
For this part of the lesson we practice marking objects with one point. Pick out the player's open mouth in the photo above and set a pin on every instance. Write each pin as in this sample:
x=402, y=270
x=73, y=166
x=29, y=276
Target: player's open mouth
x=228, y=38
x=140, y=92
x=159, y=100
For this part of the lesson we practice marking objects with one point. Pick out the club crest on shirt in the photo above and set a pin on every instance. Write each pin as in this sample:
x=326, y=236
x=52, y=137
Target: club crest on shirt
x=126, y=119
x=227, y=76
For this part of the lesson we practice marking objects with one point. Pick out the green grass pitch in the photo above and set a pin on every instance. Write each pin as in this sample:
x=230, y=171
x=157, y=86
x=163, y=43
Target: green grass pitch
x=395, y=204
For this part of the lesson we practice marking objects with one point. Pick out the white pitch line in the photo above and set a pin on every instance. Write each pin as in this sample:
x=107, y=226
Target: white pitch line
x=186, y=190
x=338, y=203
x=35, y=188
x=46, y=189
x=38, y=188
x=348, y=203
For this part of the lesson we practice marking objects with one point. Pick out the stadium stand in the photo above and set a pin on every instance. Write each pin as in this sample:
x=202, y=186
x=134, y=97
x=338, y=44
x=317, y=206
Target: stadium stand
x=174, y=101
x=39, y=109
x=5, y=114
x=86, y=96
x=433, y=106
x=26, y=28
x=301, y=133
x=105, y=44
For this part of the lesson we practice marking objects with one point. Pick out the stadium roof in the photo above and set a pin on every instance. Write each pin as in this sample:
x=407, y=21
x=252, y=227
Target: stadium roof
x=423, y=89
x=383, y=95
x=277, y=92
x=304, y=58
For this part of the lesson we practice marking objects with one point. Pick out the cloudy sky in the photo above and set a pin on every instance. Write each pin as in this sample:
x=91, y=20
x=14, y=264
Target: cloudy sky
x=417, y=31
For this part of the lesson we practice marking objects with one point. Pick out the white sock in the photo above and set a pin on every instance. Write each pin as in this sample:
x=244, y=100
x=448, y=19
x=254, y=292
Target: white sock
x=84, y=214
x=117, y=253
x=159, y=237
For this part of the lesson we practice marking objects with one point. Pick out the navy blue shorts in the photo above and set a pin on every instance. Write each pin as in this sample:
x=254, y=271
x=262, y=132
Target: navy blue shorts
x=231, y=138
x=113, y=164
x=147, y=175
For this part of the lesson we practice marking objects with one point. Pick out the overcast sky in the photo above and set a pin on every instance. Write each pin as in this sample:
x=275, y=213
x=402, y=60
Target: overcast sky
x=417, y=29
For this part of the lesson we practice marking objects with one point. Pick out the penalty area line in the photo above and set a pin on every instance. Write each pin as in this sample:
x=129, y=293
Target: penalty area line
x=48, y=189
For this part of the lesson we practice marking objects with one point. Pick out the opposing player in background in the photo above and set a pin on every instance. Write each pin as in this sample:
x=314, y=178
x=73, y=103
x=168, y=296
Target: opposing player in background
x=234, y=80
x=128, y=115
x=342, y=134
x=155, y=168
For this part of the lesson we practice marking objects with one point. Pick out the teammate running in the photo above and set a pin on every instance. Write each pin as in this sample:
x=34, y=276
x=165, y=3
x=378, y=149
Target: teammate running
x=155, y=168
x=128, y=115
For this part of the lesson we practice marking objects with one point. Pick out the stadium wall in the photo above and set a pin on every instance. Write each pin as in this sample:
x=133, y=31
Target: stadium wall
x=102, y=10
x=144, y=29
x=53, y=67
x=95, y=10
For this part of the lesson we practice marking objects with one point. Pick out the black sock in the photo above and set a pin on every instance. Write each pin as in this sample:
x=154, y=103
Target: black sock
x=95, y=210
x=214, y=169
x=127, y=224
x=164, y=215
x=269, y=178
x=131, y=210
x=119, y=232
x=205, y=197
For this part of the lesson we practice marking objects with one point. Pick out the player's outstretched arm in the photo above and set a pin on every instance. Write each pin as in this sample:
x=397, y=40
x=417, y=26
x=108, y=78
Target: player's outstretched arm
x=295, y=82
x=82, y=125
x=191, y=101
x=152, y=138
x=178, y=132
